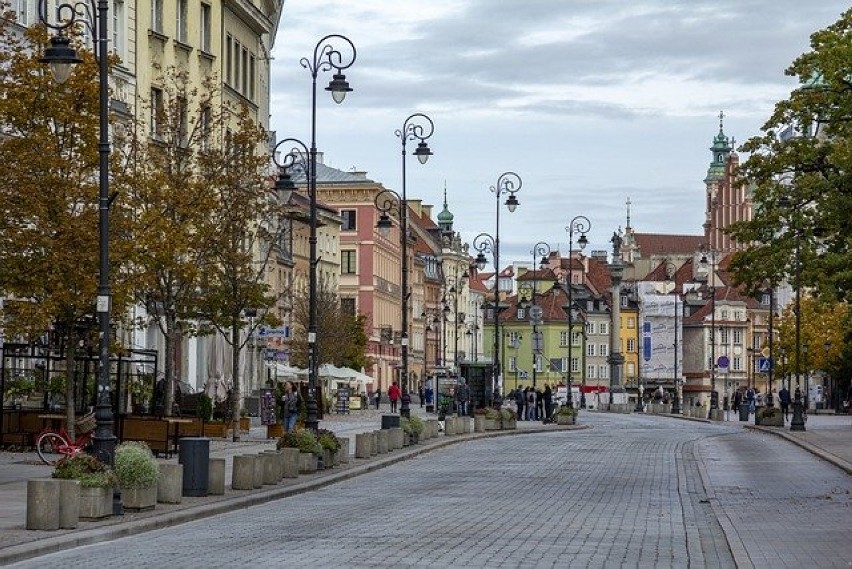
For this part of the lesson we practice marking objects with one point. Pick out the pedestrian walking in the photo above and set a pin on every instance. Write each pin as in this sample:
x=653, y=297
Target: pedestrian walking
x=378, y=397
x=530, y=404
x=784, y=398
x=548, y=402
x=290, y=407
x=750, y=399
x=519, y=403
x=420, y=392
x=463, y=397
x=539, y=404
x=393, y=395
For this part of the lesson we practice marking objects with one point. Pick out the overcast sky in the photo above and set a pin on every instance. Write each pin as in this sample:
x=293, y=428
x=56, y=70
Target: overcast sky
x=589, y=101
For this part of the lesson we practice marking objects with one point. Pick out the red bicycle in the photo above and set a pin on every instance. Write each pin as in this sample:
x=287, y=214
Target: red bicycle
x=52, y=446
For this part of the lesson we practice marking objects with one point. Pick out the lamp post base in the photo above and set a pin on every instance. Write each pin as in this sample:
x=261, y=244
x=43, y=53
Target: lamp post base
x=676, y=406
x=798, y=422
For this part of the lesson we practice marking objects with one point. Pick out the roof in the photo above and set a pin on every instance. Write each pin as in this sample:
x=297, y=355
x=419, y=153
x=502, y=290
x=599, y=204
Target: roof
x=539, y=275
x=329, y=175
x=662, y=244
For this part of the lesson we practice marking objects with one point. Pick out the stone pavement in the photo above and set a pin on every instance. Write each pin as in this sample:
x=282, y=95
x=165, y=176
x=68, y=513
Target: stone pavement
x=827, y=437
x=17, y=543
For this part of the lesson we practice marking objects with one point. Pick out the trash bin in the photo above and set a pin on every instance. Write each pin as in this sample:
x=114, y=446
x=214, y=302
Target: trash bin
x=390, y=421
x=743, y=412
x=194, y=455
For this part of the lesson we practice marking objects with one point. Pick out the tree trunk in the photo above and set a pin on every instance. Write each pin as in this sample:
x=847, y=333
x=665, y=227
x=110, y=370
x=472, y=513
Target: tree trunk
x=235, y=374
x=171, y=338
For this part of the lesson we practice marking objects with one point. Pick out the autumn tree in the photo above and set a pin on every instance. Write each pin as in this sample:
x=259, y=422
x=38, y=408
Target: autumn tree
x=49, y=197
x=801, y=229
x=241, y=243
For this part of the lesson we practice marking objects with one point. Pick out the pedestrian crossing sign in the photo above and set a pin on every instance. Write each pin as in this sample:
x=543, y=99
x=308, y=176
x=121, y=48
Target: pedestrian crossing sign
x=764, y=365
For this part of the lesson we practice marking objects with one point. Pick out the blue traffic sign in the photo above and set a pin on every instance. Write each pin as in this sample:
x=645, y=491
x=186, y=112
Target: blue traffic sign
x=723, y=362
x=764, y=365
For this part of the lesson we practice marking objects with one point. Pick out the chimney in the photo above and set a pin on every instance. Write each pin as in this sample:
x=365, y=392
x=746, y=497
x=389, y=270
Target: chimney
x=599, y=256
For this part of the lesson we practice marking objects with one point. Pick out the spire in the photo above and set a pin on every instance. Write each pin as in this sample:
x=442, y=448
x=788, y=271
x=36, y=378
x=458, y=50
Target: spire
x=721, y=149
x=445, y=218
x=628, y=214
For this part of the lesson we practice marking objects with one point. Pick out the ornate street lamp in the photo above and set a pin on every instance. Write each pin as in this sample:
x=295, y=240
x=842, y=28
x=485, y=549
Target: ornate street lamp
x=508, y=183
x=327, y=56
x=60, y=56
x=581, y=225
x=671, y=271
x=711, y=282
x=540, y=251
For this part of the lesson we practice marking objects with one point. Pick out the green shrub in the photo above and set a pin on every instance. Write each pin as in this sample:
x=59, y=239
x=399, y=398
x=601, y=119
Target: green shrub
x=91, y=472
x=416, y=424
x=328, y=440
x=204, y=407
x=568, y=410
x=304, y=440
x=135, y=465
x=507, y=414
x=405, y=425
x=492, y=413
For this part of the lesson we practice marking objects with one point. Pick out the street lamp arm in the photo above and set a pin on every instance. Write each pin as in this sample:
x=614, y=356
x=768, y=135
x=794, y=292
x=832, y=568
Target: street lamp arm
x=415, y=129
x=580, y=224
x=388, y=201
x=508, y=182
x=298, y=154
x=328, y=57
x=69, y=14
x=484, y=243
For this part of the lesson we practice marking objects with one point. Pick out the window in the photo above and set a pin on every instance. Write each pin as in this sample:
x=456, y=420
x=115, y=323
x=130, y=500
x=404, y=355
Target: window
x=590, y=350
x=764, y=299
x=205, y=27
x=348, y=216
x=603, y=372
x=563, y=339
x=251, y=83
x=180, y=20
x=631, y=323
x=347, y=306
x=24, y=11
x=724, y=332
x=575, y=365
x=603, y=349
x=157, y=15
x=564, y=365
x=347, y=262
x=156, y=111
x=738, y=315
x=205, y=120
x=513, y=363
x=624, y=301
x=603, y=328
x=539, y=364
x=631, y=345
x=118, y=28
x=590, y=371
x=244, y=63
x=521, y=313
x=590, y=328
x=737, y=363
x=182, y=109
x=738, y=336
x=631, y=370
x=229, y=45
x=755, y=341
x=514, y=339
x=724, y=314
x=577, y=338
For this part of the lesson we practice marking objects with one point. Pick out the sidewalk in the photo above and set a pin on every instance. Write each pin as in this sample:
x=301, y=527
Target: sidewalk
x=18, y=543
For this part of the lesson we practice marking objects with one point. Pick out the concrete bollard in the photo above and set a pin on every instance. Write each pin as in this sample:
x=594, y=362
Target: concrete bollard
x=270, y=468
x=307, y=462
x=69, y=504
x=382, y=438
x=243, y=473
x=374, y=443
x=170, y=484
x=42, y=500
x=216, y=477
x=258, y=471
x=290, y=458
x=344, y=449
x=449, y=426
x=363, y=445
x=397, y=438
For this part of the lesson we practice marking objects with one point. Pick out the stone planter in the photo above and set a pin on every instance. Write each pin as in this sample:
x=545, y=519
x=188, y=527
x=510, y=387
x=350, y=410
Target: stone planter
x=307, y=462
x=566, y=419
x=413, y=438
x=509, y=424
x=95, y=503
x=479, y=423
x=139, y=499
x=492, y=424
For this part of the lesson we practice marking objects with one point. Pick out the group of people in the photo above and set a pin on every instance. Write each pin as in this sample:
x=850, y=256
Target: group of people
x=533, y=404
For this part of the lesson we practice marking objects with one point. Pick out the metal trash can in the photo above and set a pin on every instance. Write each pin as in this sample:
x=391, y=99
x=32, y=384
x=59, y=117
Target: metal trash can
x=743, y=412
x=194, y=455
x=390, y=421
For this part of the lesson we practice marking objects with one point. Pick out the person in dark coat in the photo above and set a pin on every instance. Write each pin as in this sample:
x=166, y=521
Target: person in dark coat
x=784, y=399
x=519, y=403
x=548, y=402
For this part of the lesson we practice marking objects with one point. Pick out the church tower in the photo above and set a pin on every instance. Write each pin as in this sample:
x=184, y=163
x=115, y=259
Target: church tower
x=728, y=199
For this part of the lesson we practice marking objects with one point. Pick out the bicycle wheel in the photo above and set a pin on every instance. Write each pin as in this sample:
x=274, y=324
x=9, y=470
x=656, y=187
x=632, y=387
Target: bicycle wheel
x=50, y=446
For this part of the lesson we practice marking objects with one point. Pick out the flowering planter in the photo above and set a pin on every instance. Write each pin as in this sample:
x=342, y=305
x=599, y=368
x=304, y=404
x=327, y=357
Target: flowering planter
x=307, y=462
x=139, y=499
x=492, y=424
x=509, y=424
x=566, y=419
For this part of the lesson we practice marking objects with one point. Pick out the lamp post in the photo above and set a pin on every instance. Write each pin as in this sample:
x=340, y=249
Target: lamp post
x=327, y=56
x=416, y=127
x=826, y=346
x=582, y=225
x=540, y=250
x=671, y=271
x=508, y=183
x=711, y=282
x=798, y=421
x=60, y=56
x=433, y=323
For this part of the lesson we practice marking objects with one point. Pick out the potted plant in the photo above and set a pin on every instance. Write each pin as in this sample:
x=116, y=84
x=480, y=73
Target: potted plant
x=18, y=388
x=405, y=425
x=769, y=417
x=330, y=445
x=97, y=481
x=566, y=415
x=416, y=426
x=137, y=472
x=309, y=448
x=492, y=419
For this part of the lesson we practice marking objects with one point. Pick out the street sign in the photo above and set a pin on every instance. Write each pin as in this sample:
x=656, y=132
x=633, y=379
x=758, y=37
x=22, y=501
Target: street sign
x=765, y=352
x=538, y=342
x=723, y=362
x=764, y=365
x=536, y=314
x=274, y=332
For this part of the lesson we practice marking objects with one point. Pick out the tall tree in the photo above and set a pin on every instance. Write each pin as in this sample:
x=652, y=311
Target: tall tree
x=49, y=196
x=801, y=229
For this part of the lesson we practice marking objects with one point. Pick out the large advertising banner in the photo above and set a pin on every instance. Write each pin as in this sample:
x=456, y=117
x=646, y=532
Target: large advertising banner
x=658, y=334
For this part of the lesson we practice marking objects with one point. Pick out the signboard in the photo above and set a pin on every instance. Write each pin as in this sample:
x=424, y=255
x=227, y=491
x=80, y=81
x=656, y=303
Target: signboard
x=658, y=328
x=646, y=341
x=536, y=314
x=267, y=407
x=723, y=362
x=274, y=332
x=764, y=365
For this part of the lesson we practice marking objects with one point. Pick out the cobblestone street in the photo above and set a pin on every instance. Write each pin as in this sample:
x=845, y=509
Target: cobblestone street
x=635, y=491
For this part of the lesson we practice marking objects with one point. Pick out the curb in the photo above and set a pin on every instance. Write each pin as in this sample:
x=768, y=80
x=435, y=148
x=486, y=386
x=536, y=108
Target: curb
x=39, y=547
x=816, y=451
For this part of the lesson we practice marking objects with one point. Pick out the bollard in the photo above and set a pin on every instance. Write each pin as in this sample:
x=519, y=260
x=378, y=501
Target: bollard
x=270, y=468
x=397, y=438
x=382, y=439
x=216, y=477
x=374, y=443
x=258, y=471
x=170, y=484
x=42, y=499
x=69, y=504
x=344, y=449
x=363, y=445
x=243, y=473
x=449, y=426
